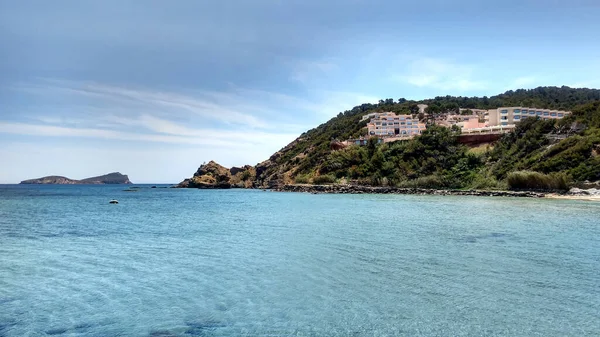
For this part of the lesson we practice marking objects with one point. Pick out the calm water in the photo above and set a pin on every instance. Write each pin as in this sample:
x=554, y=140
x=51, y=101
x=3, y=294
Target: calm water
x=167, y=262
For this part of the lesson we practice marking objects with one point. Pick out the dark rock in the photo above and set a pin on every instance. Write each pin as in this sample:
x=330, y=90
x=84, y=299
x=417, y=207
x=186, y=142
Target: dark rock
x=358, y=189
x=235, y=170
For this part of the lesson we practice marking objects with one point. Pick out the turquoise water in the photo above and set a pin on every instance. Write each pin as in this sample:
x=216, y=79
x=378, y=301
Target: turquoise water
x=177, y=262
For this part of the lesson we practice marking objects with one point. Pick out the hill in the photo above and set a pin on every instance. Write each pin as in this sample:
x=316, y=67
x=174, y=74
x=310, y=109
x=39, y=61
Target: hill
x=111, y=178
x=536, y=155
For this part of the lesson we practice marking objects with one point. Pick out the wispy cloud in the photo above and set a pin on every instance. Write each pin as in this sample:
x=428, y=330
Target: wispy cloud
x=165, y=132
x=144, y=99
x=585, y=84
x=234, y=126
x=523, y=82
x=441, y=74
x=249, y=117
x=305, y=71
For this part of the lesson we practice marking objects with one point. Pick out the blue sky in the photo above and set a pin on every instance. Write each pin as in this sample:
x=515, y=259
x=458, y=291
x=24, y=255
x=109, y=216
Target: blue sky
x=154, y=88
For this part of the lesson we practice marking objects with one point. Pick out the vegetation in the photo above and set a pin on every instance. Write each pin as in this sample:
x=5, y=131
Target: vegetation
x=531, y=180
x=324, y=179
x=560, y=152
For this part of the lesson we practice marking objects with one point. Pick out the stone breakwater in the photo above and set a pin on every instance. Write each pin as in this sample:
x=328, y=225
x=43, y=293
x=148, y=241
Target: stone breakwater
x=354, y=189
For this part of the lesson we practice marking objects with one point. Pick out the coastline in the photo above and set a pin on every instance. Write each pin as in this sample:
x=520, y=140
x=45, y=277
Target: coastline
x=356, y=189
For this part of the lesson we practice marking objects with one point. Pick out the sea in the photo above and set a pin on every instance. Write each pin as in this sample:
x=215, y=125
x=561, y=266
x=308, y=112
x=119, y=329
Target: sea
x=188, y=262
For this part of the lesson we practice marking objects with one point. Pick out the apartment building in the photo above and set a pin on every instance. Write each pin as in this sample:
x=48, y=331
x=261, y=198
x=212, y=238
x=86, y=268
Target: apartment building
x=388, y=124
x=513, y=115
x=369, y=116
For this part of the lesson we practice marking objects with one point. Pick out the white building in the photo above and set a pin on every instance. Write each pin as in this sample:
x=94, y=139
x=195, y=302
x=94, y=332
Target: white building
x=388, y=124
x=513, y=115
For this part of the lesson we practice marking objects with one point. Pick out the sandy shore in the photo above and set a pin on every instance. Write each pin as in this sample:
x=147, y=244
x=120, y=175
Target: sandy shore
x=574, y=197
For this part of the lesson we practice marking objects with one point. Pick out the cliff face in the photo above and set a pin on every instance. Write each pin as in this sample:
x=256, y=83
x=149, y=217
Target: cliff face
x=111, y=178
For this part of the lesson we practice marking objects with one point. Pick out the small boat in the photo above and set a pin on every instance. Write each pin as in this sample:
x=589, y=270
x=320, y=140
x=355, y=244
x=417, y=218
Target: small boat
x=114, y=201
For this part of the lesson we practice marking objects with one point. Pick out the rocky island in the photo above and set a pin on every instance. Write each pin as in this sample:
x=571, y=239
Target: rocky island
x=111, y=178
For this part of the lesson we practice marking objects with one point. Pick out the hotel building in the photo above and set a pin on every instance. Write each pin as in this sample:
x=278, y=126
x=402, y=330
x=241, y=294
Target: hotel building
x=512, y=115
x=388, y=124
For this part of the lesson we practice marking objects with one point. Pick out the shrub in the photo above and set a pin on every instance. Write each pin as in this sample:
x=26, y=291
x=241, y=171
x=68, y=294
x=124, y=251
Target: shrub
x=486, y=182
x=431, y=181
x=530, y=180
x=323, y=179
x=302, y=179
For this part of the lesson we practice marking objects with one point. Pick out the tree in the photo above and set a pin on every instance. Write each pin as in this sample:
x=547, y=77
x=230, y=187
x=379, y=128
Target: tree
x=433, y=111
x=414, y=108
x=372, y=146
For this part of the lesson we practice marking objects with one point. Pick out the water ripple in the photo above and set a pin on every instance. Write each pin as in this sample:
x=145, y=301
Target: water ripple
x=245, y=263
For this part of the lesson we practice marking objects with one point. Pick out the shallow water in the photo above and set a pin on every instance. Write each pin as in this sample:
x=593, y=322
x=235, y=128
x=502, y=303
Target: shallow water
x=177, y=262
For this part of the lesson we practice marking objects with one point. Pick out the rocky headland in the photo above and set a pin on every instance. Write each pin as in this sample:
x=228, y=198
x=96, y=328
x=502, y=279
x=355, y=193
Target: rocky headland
x=111, y=178
x=212, y=175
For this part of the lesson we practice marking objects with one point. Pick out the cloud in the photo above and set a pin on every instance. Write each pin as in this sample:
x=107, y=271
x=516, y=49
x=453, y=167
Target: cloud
x=523, y=82
x=441, y=74
x=306, y=71
x=164, y=132
x=144, y=99
x=233, y=108
x=585, y=84
x=234, y=126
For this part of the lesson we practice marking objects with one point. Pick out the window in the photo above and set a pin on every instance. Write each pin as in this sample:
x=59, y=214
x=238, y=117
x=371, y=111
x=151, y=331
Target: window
x=517, y=111
x=524, y=111
x=504, y=123
x=504, y=111
x=553, y=114
x=560, y=115
x=523, y=117
x=539, y=113
x=546, y=113
x=504, y=118
x=532, y=112
x=517, y=117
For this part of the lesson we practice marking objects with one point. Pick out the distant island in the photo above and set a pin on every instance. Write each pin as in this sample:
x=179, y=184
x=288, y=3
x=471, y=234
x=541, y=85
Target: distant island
x=111, y=178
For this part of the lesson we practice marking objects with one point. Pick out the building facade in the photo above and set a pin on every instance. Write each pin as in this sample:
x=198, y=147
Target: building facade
x=388, y=124
x=512, y=115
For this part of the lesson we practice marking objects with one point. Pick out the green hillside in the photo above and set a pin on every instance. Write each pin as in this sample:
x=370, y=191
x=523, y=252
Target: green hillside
x=538, y=154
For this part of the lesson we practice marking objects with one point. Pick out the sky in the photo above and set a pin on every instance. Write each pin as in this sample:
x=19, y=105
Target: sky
x=153, y=88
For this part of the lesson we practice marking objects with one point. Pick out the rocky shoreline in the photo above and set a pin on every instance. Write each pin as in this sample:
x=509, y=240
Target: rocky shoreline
x=356, y=189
